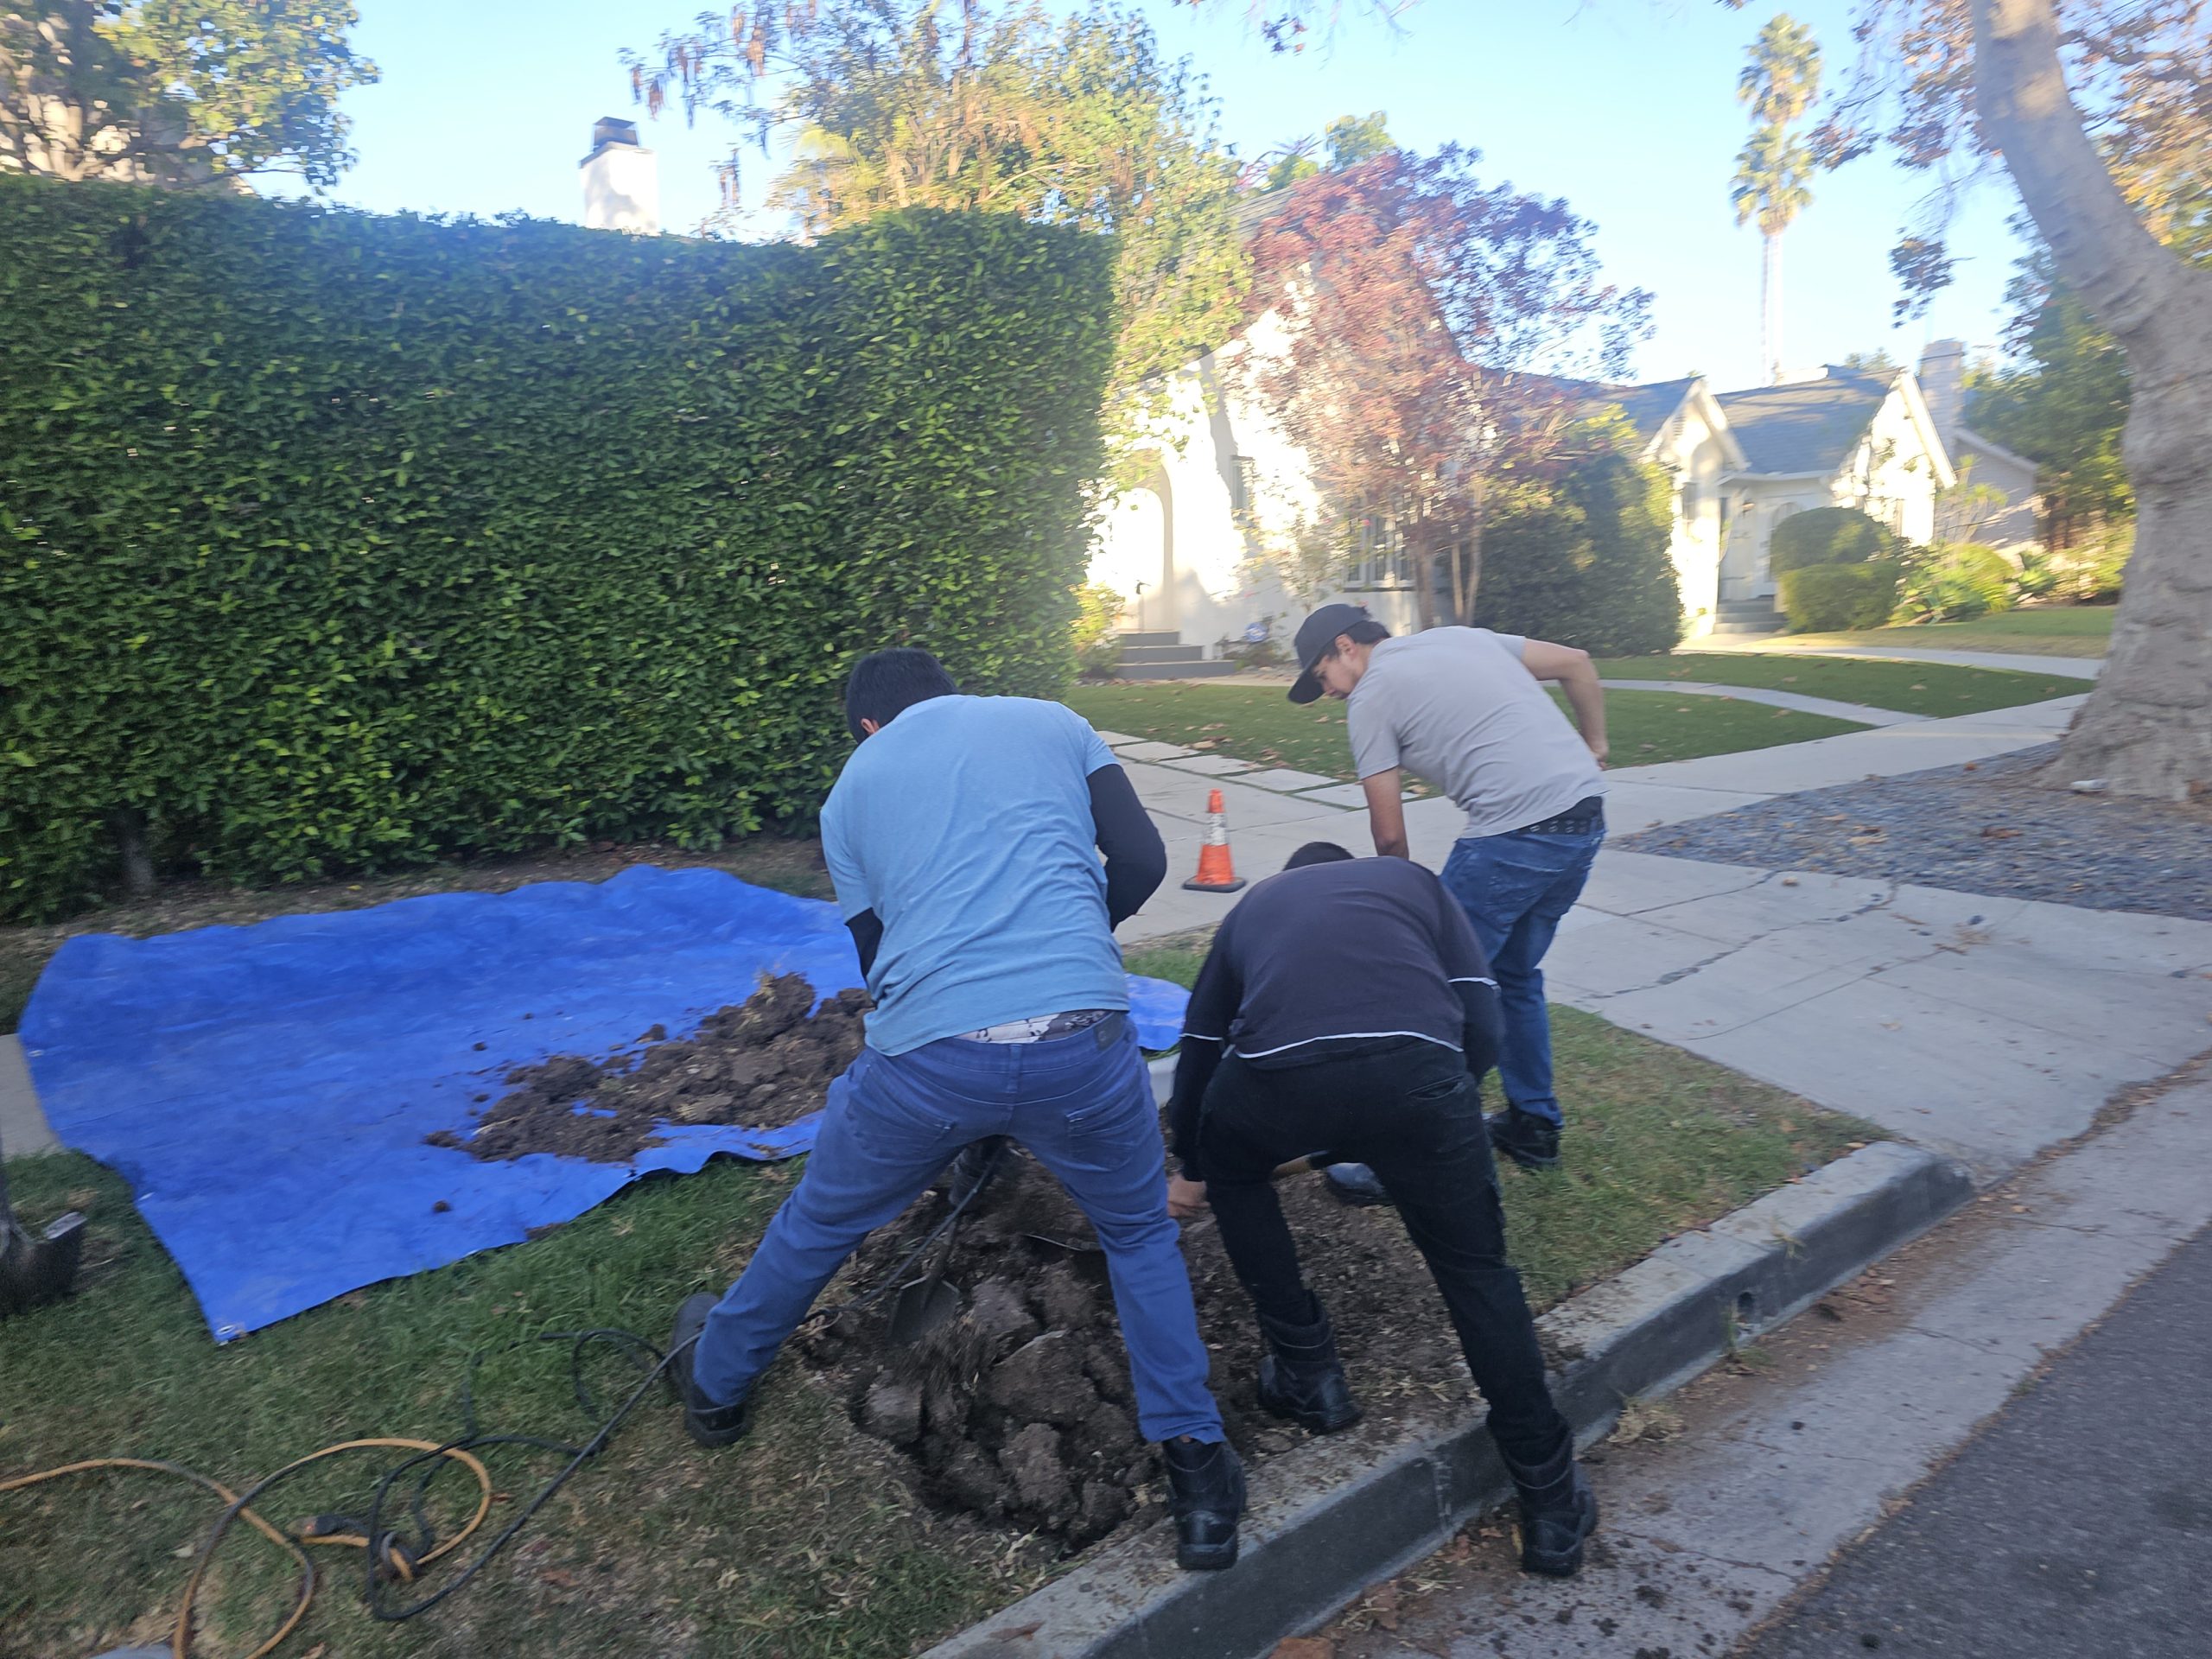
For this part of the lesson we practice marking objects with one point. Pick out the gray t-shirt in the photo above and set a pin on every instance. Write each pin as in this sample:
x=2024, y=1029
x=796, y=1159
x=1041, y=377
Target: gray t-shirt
x=1457, y=706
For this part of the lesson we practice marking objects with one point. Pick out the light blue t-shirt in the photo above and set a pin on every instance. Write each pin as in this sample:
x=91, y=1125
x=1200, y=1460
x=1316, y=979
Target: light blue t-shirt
x=965, y=826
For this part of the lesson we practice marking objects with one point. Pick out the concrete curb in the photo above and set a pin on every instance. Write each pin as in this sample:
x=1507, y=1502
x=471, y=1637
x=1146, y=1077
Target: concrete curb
x=1337, y=1514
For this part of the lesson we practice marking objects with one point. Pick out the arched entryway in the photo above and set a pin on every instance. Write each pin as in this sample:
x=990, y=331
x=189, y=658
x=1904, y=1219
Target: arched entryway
x=1135, y=553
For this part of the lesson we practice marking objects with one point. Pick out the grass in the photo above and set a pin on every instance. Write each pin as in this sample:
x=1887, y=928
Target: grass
x=789, y=864
x=1933, y=689
x=2056, y=631
x=802, y=1542
x=1258, y=723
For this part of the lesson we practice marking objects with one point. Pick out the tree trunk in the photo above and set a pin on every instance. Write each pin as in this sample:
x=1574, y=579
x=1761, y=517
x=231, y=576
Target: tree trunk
x=1770, y=306
x=2147, y=728
x=129, y=825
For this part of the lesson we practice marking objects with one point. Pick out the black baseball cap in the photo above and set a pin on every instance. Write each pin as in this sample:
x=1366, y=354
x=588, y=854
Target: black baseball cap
x=1315, y=635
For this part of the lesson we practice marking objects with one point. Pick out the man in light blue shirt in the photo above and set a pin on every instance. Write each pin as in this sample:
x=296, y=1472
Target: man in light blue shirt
x=963, y=837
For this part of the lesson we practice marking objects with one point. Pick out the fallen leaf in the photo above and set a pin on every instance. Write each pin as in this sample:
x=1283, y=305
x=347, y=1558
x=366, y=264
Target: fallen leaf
x=1998, y=832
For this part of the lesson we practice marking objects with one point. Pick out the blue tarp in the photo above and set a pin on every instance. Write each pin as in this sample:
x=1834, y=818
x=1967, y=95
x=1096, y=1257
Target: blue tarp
x=266, y=1090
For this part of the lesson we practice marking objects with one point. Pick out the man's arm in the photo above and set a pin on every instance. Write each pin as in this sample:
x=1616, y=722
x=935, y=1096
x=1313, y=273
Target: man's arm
x=1386, y=813
x=1136, y=858
x=867, y=929
x=1577, y=675
x=1214, y=1002
x=1482, y=1025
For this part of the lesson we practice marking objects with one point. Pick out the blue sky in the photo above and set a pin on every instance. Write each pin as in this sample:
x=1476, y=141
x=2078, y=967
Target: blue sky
x=1625, y=107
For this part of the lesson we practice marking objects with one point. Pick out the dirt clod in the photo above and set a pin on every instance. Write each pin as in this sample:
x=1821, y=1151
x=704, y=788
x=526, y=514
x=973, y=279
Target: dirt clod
x=763, y=1063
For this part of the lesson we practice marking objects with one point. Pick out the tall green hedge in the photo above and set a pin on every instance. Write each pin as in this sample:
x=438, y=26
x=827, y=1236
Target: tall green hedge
x=330, y=541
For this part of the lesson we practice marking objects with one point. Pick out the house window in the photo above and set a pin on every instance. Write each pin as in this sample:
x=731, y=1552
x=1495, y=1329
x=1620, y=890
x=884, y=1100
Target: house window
x=1379, y=557
x=1689, y=498
x=1243, y=484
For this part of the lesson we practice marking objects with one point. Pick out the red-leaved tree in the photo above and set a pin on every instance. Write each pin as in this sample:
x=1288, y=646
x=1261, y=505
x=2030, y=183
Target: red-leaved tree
x=1438, y=334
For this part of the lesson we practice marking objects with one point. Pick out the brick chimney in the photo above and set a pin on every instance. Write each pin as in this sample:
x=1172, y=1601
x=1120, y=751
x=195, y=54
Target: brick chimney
x=621, y=181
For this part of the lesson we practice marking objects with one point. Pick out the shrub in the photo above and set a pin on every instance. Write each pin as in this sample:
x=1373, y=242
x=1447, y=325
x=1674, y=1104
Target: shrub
x=1829, y=536
x=1583, y=559
x=2093, y=569
x=1828, y=598
x=335, y=542
x=1097, y=645
x=1951, y=581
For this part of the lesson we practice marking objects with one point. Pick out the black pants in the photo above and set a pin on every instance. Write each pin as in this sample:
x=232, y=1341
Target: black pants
x=1409, y=1111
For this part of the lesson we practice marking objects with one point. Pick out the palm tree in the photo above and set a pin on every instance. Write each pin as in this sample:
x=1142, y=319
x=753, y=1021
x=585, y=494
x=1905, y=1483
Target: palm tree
x=1774, y=170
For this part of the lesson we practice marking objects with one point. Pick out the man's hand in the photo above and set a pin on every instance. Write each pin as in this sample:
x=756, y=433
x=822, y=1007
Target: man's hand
x=1577, y=675
x=1386, y=813
x=1186, y=1200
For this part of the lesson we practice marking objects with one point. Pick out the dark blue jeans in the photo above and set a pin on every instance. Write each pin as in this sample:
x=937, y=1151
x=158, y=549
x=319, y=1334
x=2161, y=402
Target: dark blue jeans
x=892, y=1125
x=1515, y=889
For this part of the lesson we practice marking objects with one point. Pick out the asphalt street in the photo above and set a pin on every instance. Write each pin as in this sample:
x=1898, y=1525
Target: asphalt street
x=2078, y=1525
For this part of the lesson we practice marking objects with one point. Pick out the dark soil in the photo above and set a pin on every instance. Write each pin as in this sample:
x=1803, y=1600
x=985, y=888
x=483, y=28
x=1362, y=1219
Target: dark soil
x=762, y=1064
x=1021, y=1410
x=2006, y=827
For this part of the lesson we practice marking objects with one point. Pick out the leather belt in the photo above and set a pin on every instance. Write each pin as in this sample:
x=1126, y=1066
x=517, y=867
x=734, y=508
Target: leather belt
x=1587, y=814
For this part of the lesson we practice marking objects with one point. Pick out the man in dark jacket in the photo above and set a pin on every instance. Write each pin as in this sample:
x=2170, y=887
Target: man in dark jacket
x=1346, y=1006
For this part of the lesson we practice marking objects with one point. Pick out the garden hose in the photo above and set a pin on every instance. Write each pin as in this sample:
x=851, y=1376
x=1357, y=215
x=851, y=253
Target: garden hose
x=387, y=1556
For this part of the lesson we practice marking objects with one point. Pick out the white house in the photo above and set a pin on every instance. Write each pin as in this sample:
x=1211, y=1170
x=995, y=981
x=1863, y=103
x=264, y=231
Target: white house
x=1980, y=460
x=1190, y=548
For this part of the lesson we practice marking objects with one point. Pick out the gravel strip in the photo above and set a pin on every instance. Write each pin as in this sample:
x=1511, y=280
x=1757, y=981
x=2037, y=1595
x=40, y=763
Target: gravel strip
x=1987, y=827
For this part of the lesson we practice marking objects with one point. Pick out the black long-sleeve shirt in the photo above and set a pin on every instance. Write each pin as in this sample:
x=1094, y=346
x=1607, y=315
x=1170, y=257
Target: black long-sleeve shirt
x=1324, y=960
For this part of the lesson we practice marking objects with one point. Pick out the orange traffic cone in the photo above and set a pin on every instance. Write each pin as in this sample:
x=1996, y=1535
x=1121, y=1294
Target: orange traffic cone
x=1217, y=873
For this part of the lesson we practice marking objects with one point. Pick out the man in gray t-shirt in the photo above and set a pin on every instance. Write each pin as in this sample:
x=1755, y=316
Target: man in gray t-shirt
x=1464, y=708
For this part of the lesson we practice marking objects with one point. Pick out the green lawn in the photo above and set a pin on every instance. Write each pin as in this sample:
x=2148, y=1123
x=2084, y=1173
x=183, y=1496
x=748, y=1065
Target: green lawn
x=1258, y=723
x=2059, y=630
x=1935, y=689
x=801, y=1543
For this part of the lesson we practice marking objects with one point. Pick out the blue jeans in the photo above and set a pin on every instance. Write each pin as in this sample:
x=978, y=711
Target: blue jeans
x=1516, y=888
x=892, y=1125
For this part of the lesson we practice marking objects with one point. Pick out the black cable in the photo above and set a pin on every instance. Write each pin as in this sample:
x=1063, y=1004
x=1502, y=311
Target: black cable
x=644, y=1357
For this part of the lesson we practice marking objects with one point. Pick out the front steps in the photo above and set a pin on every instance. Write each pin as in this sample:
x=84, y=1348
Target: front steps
x=1158, y=655
x=1748, y=616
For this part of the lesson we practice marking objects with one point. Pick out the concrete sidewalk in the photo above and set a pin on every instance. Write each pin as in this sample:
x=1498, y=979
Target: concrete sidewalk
x=1861, y=712
x=2079, y=668
x=1987, y=1029
x=1266, y=826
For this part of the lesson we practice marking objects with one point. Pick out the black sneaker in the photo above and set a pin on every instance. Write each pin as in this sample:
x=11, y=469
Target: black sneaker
x=1355, y=1184
x=703, y=1420
x=1528, y=1140
x=1205, y=1494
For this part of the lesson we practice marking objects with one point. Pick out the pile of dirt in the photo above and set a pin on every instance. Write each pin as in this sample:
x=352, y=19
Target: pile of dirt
x=761, y=1063
x=1020, y=1411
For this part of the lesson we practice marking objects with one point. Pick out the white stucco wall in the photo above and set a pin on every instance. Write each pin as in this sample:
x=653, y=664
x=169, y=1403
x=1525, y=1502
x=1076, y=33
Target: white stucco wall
x=1206, y=567
x=621, y=189
x=1895, y=473
x=1689, y=447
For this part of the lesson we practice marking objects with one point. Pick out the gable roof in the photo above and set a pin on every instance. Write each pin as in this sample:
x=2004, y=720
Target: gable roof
x=1808, y=426
x=1649, y=408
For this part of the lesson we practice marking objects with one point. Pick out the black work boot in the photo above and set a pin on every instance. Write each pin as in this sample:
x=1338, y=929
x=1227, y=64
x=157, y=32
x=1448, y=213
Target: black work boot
x=1301, y=1376
x=703, y=1420
x=1528, y=1140
x=1205, y=1494
x=1558, y=1511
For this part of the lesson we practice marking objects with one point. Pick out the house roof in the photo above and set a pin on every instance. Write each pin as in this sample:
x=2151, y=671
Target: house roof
x=1808, y=426
x=1649, y=407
